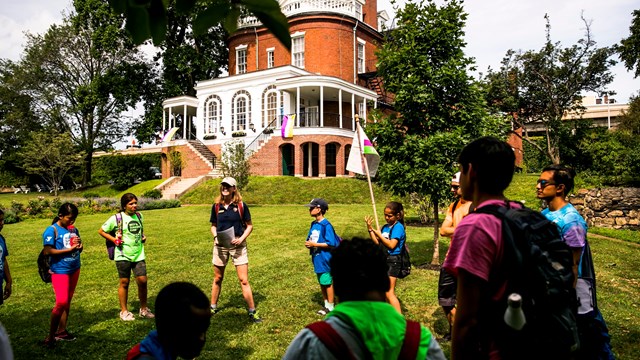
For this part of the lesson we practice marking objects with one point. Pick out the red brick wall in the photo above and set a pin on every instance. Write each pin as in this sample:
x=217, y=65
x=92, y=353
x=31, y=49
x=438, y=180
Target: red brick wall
x=268, y=161
x=193, y=165
x=329, y=46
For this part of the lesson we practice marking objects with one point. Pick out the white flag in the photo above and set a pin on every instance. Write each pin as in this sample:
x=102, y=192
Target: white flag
x=355, y=162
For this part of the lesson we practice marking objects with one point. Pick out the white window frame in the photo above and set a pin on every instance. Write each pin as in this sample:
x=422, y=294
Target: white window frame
x=270, y=112
x=297, y=53
x=212, y=121
x=361, y=60
x=358, y=7
x=241, y=53
x=271, y=58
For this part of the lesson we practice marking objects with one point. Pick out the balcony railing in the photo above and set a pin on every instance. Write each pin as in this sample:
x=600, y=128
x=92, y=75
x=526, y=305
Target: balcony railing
x=341, y=7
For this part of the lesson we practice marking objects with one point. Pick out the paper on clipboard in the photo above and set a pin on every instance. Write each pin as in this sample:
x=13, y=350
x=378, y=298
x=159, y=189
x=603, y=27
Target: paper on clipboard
x=225, y=237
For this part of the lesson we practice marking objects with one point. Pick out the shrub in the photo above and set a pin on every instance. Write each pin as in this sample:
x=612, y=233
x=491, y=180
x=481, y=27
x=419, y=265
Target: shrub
x=235, y=163
x=145, y=204
x=268, y=130
x=90, y=195
x=10, y=217
x=238, y=134
x=209, y=137
x=124, y=170
x=153, y=194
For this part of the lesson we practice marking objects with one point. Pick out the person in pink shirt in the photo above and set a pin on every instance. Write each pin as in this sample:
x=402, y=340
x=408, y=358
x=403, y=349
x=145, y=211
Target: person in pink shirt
x=475, y=256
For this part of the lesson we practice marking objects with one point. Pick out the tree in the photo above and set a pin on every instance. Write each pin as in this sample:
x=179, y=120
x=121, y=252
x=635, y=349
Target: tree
x=629, y=48
x=51, y=155
x=84, y=74
x=542, y=86
x=440, y=107
x=185, y=58
x=17, y=120
x=630, y=121
x=148, y=18
x=235, y=162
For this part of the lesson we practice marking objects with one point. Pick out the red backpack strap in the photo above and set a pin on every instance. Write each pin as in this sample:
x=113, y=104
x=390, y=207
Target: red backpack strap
x=331, y=339
x=411, y=341
x=241, y=211
x=217, y=207
x=134, y=353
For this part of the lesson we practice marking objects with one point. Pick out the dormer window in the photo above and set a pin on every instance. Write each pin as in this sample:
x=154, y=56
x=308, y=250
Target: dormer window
x=358, y=9
x=241, y=59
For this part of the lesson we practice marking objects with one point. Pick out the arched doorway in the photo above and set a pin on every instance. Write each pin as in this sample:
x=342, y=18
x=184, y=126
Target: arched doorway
x=330, y=159
x=310, y=152
x=288, y=159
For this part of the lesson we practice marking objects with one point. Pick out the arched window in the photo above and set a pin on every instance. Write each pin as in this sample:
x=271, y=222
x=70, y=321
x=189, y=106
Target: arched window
x=270, y=104
x=241, y=110
x=212, y=114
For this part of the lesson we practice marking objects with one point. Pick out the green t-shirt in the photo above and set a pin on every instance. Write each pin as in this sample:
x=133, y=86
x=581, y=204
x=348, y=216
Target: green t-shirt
x=132, y=248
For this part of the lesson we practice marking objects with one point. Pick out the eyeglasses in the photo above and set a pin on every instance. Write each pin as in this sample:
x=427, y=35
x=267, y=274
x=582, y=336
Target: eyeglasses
x=544, y=183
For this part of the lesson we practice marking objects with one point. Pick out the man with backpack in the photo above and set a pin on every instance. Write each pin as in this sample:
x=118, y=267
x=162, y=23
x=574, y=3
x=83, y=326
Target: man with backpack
x=363, y=325
x=503, y=249
x=553, y=186
x=447, y=283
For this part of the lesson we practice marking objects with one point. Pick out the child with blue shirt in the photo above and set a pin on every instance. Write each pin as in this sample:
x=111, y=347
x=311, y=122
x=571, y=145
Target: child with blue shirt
x=5, y=275
x=321, y=239
x=393, y=237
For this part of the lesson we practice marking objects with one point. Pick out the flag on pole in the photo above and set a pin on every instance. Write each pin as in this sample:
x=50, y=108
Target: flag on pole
x=287, y=126
x=170, y=134
x=364, y=147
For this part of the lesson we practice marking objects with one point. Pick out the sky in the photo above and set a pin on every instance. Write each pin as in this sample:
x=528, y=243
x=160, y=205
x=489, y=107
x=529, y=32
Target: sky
x=493, y=27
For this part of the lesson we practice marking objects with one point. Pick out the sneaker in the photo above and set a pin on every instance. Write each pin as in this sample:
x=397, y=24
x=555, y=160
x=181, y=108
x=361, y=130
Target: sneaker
x=64, y=336
x=324, y=311
x=214, y=310
x=49, y=343
x=126, y=316
x=146, y=313
x=254, y=317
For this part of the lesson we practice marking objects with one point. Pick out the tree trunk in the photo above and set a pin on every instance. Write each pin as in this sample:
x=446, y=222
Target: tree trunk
x=86, y=176
x=435, y=261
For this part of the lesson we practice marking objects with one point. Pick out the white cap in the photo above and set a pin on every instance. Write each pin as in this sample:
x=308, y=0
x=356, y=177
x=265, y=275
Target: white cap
x=456, y=177
x=229, y=181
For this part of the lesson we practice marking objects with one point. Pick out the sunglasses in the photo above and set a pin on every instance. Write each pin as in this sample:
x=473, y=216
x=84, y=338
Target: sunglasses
x=544, y=183
x=455, y=187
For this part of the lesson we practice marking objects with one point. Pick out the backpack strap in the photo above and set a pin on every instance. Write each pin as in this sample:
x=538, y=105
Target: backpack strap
x=134, y=353
x=455, y=205
x=141, y=226
x=119, y=221
x=240, y=206
x=411, y=343
x=331, y=339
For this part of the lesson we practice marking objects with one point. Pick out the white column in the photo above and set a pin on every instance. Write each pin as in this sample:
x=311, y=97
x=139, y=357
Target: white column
x=364, y=108
x=340, y=106
x=184, y=122
x=298, y=106
x=353, y=111
x=164, y=114
x=310, y=157
x=321, y=106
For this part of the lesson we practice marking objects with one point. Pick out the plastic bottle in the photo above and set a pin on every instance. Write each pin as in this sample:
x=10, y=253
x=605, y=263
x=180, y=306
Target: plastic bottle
x=74, y=239
x=514, y=316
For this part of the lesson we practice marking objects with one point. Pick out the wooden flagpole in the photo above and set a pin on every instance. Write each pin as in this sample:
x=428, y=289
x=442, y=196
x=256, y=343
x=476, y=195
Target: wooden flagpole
x=366, y=170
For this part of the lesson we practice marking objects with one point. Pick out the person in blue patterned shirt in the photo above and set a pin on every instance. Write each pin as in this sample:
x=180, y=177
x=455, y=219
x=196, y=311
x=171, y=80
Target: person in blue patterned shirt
x=554, y=185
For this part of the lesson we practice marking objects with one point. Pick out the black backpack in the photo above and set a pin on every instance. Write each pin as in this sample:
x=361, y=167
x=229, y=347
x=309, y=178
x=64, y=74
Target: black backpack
x=44, y=261
x=537, y=265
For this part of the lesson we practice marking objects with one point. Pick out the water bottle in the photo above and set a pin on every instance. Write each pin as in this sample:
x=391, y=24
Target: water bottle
x=73, y=236
x=514, y=316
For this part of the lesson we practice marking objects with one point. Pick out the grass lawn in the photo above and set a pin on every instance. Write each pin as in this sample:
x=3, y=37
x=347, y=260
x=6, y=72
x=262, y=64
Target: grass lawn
x=281, y=274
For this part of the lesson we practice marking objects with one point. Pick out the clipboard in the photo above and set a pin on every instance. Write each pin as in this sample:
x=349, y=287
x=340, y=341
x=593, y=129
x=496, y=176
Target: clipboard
x=225, y=237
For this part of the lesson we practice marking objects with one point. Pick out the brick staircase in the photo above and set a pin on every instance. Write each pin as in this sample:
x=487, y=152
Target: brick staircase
x=179, y=186
x=207, y=156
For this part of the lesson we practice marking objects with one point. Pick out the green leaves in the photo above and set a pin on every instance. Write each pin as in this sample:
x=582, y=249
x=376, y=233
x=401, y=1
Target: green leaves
x=629, y=48
x=148, y=18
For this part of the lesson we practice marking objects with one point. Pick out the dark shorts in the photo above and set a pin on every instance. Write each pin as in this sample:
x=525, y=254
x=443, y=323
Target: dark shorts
x=125, y=267
x=395, y=266
x=447, y=286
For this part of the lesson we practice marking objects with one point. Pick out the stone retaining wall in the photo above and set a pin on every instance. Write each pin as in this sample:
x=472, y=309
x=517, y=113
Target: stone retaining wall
x=617, y=208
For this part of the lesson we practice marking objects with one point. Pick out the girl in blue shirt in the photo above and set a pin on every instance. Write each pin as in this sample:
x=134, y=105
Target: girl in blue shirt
x=62, y=243
x=393, y=237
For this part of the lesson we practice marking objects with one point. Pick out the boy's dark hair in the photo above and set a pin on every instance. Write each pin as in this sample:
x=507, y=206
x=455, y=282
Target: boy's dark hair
x=174, y=305
x=1, y=212
x=562, y=175
x=358, y=266
x=125, y=199
x=494, y=162
x=64, y=210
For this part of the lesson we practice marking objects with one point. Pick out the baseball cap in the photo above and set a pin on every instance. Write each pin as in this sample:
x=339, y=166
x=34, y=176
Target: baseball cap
x=318, y=202
x=229, y=181
x=456, y=177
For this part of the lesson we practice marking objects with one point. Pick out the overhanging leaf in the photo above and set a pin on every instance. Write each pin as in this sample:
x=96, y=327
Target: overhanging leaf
x=231, y=21
x=210, y=17
x=184, y=6
x=138, y=24
x=277, y=23
x=158, y=23
x=119, y=6
x=261, y=5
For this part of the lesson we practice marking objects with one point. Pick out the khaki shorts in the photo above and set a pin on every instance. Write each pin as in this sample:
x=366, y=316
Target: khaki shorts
x=237, y=253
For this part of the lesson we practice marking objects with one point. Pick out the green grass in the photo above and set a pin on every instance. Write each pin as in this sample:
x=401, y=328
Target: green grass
x=623, y=234
x=281, y=274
